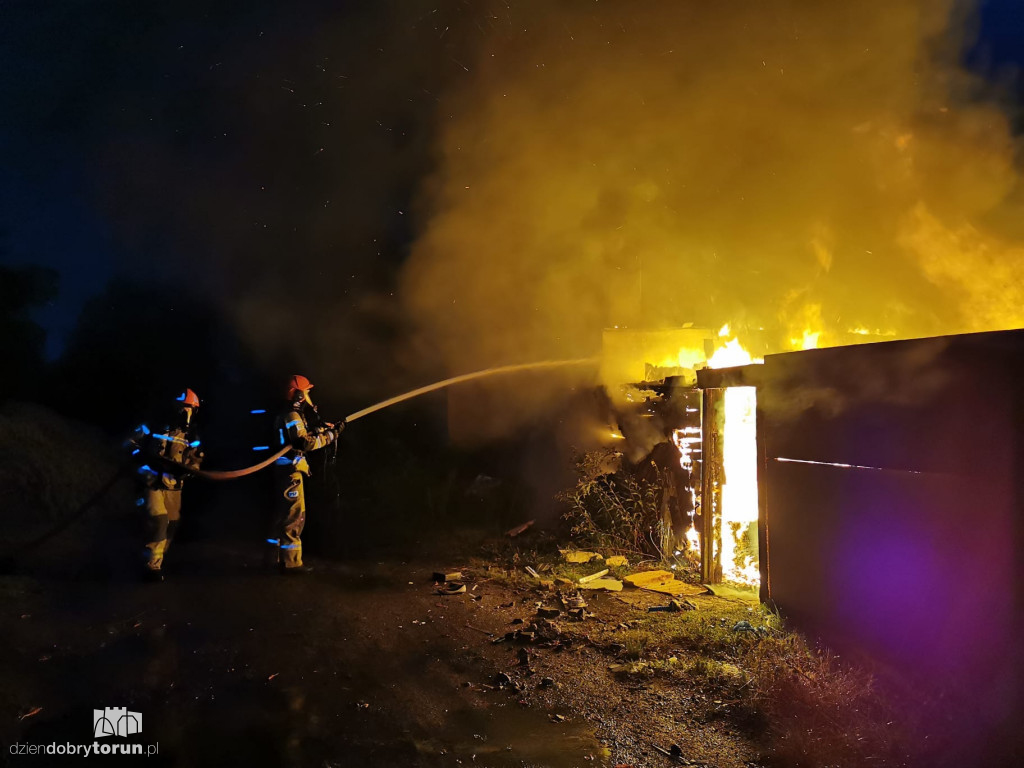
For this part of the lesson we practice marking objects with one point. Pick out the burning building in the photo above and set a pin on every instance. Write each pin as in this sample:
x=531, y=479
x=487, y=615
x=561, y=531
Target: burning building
x=710, y=503
x=873, y=494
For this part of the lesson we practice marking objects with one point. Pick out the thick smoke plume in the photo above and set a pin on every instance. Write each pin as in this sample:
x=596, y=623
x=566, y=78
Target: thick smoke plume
x=782, y=166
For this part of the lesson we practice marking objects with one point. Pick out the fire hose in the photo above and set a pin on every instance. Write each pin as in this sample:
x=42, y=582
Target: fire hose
x=231, y=474
x=213, y=474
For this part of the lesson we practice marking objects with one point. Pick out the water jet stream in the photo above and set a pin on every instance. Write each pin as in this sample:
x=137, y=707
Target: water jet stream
x=233, y=474
x=469, y=377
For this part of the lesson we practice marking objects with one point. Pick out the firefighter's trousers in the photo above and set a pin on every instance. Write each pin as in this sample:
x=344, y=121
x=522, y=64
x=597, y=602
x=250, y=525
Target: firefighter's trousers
x=289, y=518
x=163, y=509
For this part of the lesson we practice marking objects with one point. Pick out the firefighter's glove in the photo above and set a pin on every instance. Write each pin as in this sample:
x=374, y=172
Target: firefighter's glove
x=193, y=461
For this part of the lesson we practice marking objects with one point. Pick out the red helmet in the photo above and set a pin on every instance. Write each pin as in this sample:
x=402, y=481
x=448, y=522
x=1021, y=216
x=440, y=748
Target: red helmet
x=298, y=383
x=188, y=397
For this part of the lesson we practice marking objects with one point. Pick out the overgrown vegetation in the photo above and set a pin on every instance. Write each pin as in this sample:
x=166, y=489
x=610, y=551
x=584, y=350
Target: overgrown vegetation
x=48, y=467
x=745, y=667
x=618, y=511
x=818, y=711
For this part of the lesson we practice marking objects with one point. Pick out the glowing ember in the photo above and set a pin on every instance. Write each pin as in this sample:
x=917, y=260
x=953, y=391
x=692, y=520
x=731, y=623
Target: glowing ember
x=739, y=492
x=860, y=330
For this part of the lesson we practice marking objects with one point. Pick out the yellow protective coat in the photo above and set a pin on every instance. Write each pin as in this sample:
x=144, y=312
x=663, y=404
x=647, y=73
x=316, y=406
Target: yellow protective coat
x=164, y=460
x=290, y=515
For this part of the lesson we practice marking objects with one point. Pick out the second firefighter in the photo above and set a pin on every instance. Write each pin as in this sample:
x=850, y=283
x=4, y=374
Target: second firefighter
x=298, y=426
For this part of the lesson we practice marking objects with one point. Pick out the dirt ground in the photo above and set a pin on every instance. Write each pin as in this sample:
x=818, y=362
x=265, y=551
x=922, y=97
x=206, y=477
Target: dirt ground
x=357, y=663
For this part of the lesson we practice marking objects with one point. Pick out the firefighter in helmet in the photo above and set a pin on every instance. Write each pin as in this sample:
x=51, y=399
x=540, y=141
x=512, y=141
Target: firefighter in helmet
x=298, y=426
x=165, y=457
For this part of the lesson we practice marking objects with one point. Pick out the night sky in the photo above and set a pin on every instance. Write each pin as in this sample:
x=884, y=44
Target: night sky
x=248, y=148
x=154, y=141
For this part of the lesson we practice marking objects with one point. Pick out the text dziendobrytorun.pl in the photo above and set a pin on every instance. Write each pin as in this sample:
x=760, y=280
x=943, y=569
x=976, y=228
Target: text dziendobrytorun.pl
x=85, y=750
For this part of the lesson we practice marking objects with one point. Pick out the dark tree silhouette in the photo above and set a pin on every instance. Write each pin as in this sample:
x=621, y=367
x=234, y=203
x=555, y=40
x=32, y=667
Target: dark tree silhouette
x=132, y=346
x=21, y=338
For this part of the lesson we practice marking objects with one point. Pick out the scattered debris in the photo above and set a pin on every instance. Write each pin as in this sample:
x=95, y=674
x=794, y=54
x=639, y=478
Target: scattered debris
x=442, y=577
x=564, y=581
x=591, y=577
x=675, y=753
x=548, y=613
x=547, y=682
x=452, y=588
x=674, y=606
x=502, y=680
x=557, y=718
x=489, y=634
x=524, y=657
x=616, y=561
x=746, y=626
x=573, y=601
x=578, y=555
x=532, y=572
x=513, y=532
x=273, y=676
x=664, y=582
x=609, y=585
x=631, y=668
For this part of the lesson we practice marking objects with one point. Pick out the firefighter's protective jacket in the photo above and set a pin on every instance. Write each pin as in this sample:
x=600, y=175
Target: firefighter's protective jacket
x=167, y=456
x=294, y=430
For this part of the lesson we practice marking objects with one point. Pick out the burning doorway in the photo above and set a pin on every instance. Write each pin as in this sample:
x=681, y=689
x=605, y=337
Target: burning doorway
x=700, y=401
x=729, y=491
